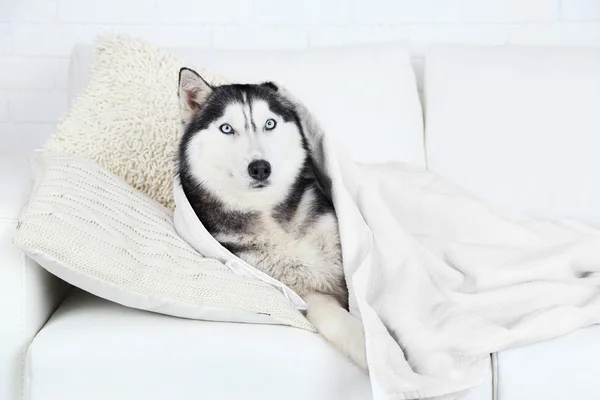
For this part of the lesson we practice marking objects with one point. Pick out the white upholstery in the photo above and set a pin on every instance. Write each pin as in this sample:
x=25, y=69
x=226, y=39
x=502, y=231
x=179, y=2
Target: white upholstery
x=369, y=89
x=518, y=125
x=28, y=294
x=567, y=367
x=94, y=349
x=16, y=183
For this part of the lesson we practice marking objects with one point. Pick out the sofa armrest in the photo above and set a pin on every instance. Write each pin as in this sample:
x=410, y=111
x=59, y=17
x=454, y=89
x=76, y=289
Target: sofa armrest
x=28, y=294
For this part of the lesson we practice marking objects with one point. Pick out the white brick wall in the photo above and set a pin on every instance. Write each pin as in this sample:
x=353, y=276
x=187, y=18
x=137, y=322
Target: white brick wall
x=36, y=36
x=511, y=11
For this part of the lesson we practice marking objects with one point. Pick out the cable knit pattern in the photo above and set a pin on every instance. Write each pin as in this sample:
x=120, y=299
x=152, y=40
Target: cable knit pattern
x=127, y=117
x=97, y=226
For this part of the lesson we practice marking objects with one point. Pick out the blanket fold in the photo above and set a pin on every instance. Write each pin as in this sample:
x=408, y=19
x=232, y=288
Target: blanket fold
x=441, y=279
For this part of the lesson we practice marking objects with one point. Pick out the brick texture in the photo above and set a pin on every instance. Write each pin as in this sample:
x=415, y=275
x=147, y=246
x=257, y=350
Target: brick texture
x=36, y=36
x=510, y=11
x=129, y=11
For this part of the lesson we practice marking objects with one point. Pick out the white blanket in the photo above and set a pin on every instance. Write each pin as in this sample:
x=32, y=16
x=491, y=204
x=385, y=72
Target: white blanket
x=441, y=279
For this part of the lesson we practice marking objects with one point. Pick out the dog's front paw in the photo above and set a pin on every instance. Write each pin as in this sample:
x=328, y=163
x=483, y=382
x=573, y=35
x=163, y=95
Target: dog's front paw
x=339, y=327
x=355, y=347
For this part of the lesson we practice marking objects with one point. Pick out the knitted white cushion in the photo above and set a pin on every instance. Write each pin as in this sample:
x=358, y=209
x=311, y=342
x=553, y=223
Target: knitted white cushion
x=127, y=117
x=92, y=229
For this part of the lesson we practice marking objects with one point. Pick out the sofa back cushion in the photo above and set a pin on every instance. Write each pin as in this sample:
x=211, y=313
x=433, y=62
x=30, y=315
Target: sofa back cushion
x=519, y=126
x=366, y=95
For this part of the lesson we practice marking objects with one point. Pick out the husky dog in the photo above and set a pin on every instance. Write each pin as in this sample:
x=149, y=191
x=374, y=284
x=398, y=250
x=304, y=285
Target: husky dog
x=244, y=165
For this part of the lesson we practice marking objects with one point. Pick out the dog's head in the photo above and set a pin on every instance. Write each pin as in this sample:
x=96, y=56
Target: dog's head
x=243, y=143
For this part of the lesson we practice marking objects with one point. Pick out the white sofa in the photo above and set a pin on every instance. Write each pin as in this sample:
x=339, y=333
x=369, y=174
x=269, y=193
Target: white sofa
x=516, y=126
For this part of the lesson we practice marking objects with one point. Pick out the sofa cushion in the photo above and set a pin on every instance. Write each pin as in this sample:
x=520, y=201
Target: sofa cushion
x=366, y=94
x=94, y=349
x=567, y=367
x=518, y=126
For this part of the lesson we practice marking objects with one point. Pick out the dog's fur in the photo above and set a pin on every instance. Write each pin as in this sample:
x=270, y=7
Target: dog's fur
x=283, y=225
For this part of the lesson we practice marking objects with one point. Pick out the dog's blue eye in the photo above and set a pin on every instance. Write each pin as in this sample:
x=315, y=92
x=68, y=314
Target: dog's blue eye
x=270, y=124
x=226, y=128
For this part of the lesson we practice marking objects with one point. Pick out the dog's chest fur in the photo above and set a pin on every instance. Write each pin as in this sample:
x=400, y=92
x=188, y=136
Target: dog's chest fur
x=296, y=243
x=301, y=249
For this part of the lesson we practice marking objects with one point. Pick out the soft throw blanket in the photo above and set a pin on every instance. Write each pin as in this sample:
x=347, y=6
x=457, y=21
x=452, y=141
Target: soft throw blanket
x=440, y=278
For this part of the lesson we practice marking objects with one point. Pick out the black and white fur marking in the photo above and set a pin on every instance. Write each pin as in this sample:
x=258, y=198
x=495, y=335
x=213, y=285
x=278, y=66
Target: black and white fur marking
x=245, y=167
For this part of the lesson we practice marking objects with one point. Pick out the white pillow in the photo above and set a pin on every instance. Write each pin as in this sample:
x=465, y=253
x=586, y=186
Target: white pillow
x=127, y=116
x=366, y=94
x=93, y=230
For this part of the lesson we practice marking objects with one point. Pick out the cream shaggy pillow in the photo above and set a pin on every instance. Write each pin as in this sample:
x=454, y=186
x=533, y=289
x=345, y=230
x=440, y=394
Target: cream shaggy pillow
x=93, y=230
x=127, y=118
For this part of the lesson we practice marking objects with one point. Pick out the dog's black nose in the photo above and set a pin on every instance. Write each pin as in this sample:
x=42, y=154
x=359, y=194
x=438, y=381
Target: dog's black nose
x=259, y=169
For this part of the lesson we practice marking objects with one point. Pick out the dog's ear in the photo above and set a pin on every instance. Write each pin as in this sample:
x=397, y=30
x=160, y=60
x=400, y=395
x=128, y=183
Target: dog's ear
x=270, y=85
x=193, y=93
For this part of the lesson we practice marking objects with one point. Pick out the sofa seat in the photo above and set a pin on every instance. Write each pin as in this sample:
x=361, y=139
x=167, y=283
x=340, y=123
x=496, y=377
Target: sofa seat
x=567, y=367
x=94, y=349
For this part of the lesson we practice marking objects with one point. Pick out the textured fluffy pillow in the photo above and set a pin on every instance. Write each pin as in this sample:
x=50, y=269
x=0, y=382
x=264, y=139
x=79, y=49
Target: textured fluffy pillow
x=126, y=118
x=93, y=230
